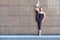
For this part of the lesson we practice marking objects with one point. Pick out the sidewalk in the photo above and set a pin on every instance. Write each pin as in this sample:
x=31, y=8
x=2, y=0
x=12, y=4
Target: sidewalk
x=29, y=37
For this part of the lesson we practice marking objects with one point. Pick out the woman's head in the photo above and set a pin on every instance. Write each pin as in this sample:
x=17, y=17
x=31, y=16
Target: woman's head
x=41, y=9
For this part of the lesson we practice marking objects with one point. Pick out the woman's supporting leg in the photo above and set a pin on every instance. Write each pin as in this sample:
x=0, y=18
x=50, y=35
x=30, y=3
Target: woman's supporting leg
x=39, y=27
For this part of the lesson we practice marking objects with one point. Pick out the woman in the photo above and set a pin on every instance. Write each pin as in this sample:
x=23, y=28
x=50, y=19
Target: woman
x=40, y=16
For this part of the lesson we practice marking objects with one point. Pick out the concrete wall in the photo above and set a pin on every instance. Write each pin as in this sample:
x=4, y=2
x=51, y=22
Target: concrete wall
x=18, y=17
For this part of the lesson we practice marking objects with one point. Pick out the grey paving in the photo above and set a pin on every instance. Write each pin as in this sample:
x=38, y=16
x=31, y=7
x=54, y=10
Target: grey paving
x=29, y=37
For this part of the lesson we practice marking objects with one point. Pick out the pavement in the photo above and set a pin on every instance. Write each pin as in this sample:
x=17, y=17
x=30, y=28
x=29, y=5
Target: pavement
x=29, y=37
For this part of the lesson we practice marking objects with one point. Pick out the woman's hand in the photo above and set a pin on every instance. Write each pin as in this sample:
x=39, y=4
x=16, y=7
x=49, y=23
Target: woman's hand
x=37, y=3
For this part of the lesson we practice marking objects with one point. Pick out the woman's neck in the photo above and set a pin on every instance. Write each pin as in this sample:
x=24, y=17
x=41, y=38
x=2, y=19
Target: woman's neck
x=41, y=11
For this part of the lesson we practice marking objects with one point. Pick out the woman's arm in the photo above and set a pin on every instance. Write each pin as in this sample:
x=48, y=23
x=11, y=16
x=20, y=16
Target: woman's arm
x=37, y=9
x=37, y=6
x=44, y=18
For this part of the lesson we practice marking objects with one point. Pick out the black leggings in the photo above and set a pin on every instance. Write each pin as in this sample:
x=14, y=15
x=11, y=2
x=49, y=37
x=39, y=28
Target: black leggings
x=39, y=18
x=39, y=24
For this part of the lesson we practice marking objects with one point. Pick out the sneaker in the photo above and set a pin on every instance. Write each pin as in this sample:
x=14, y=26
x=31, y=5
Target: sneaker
x=39, y=32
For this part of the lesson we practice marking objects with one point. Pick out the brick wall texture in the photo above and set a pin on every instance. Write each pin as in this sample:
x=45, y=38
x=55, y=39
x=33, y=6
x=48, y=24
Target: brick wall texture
x=18, y=17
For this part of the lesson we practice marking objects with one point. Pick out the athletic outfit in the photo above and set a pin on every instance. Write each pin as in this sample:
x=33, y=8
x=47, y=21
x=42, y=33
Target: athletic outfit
x=39, y=18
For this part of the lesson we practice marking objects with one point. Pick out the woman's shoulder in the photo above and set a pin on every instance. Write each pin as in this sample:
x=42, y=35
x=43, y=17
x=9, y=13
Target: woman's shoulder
x=42, y=12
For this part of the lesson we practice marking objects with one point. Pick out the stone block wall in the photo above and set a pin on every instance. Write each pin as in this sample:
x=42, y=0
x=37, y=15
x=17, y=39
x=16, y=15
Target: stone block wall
x=18, y=17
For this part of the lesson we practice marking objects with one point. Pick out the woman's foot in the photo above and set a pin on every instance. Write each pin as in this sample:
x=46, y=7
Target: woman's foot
x=39, y=32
